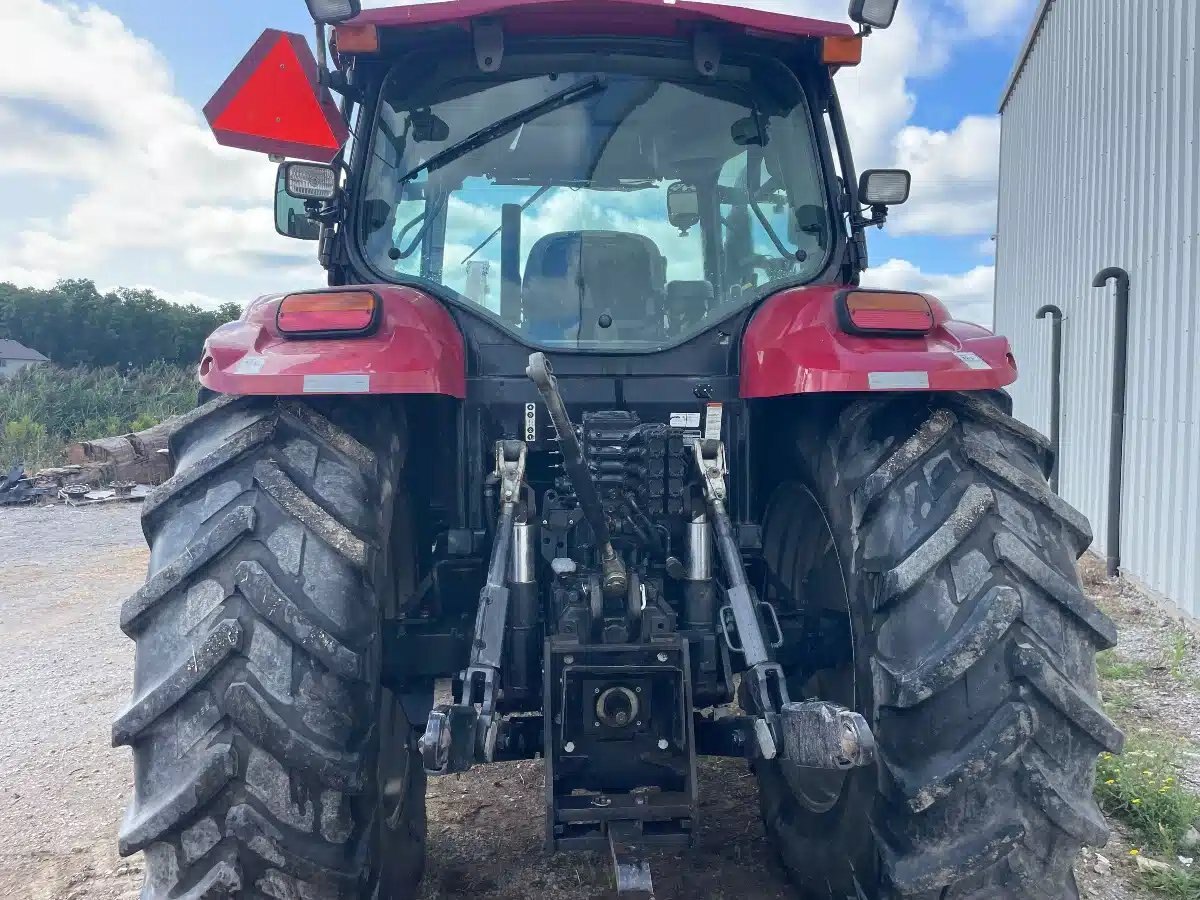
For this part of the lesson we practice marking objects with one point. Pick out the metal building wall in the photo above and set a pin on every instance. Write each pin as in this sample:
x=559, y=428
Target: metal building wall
x=1100, y=166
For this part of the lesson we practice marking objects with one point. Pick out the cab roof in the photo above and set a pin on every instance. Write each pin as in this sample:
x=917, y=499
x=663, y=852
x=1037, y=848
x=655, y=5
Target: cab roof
x=658, y=18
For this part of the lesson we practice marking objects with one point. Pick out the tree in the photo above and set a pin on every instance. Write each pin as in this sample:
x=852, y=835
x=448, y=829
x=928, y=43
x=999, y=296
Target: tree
x=75, y=325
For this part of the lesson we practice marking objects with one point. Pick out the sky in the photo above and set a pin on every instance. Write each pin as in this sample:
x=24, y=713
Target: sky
x=109, y=171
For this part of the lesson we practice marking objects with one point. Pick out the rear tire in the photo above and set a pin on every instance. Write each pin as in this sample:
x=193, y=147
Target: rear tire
x=268, y=761
x=928, y=520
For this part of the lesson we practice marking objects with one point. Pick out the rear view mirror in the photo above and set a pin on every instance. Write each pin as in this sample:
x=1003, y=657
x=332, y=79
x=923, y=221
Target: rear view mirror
x=427, y=126
x=683, y=206
x=291, y=216
x=746, y=132
x=874, y=13
x=808, y=225
x=884, y=187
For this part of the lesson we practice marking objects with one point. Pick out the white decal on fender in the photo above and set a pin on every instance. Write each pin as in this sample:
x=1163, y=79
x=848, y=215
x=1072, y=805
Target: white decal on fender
x=337, y=384
x=974, y=361
x=249, y=365
x=898, y=381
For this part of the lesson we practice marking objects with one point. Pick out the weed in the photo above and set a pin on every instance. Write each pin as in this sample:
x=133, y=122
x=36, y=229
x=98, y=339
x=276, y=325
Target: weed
x=1112, y=667
x=1141, y=788
x=1175, y=883
x=1115, y=701
x=1177, y=653
x=45, y=408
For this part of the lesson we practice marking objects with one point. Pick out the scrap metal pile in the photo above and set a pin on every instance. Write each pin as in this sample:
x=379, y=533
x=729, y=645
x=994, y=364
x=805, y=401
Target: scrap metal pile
x=67, y=484
x=105, y=470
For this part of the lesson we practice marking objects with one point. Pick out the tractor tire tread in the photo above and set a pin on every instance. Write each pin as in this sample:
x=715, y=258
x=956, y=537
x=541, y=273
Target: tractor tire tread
x=964, y=562
x=256, y=685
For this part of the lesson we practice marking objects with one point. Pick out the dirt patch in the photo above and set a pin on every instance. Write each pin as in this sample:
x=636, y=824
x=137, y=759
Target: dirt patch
x=67, y=670
x=487, y=833
x=63, y=575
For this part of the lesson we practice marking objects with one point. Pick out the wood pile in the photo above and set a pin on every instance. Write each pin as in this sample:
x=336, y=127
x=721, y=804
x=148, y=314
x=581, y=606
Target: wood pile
x=141, y=458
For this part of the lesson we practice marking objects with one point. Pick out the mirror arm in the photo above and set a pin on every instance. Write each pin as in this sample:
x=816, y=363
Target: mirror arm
x=327, y=213
x=323, y=73
x=333, y=79
x=877, y=219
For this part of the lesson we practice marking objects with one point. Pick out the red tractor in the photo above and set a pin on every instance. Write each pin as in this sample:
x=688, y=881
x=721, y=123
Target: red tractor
x=595, y=432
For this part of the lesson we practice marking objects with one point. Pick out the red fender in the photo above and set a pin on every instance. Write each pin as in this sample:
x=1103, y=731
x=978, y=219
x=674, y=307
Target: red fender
x=417, y=349
x=795, y=345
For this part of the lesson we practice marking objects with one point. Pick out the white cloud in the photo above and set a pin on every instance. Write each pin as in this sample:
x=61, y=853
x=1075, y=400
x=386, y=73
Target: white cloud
x=42, y=279
x=154, y=200
x=955, y=176
x=152, y=183
x=968, y=296
x=987, y=18
x=955, y=173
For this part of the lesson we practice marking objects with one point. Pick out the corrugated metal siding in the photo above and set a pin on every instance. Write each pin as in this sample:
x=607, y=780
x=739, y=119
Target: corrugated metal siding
x=1100, y=166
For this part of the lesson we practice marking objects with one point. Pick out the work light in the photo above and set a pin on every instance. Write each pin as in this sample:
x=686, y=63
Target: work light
x=308, y=181
x=330, y=12
x=884, y=187
x=876, y=13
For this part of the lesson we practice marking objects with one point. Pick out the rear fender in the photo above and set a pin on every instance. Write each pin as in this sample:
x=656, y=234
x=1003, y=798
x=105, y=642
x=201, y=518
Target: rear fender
x=416, y=349
x=795, y=345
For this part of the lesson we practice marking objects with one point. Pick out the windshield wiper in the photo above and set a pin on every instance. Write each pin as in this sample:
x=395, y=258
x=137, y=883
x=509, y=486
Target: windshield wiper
x=507, y=125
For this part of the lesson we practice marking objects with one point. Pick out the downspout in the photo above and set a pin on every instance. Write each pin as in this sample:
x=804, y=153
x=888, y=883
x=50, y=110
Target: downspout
x=1055, y=386
x=1116, y=449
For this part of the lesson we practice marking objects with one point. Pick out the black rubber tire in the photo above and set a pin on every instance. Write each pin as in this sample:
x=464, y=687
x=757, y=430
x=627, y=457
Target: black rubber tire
x=973, y=659
x=263, y=744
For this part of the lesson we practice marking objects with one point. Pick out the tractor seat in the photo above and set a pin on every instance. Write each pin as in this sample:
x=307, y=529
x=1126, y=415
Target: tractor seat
x=575, y=278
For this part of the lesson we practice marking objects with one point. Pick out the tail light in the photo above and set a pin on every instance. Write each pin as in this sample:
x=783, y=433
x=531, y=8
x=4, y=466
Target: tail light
x=328, y=314
x=885, y=313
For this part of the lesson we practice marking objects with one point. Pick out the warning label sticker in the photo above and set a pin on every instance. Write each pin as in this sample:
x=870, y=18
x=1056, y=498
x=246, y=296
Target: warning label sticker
x=713, y=418
x=685, y=420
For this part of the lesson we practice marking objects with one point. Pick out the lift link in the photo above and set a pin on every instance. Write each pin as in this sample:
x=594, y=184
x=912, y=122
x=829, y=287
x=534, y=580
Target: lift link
x=812, y=734
x=614, y=577
x=767, y=682
x=458, y=736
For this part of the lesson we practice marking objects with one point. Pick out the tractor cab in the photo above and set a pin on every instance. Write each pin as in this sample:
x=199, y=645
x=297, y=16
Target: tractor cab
x=604, y=175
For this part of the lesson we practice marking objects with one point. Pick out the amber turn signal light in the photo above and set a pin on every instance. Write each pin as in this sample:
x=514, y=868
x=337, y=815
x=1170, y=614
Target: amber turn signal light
x=328, y=313
x=842, y=51
x=883, y=313
x=358, y=39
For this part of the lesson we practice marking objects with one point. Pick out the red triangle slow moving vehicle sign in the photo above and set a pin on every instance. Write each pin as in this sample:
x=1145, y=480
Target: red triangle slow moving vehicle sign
x=272, y=103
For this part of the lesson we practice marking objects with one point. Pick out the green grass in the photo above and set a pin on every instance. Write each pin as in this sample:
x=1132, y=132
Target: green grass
x=1176, y=883
x=1113, y=668
x=1141, y=788
x=45, y=408
x=1178, y=652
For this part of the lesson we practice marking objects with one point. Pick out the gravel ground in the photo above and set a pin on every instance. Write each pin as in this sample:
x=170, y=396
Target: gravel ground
x=67, y=667
x=63, y=575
